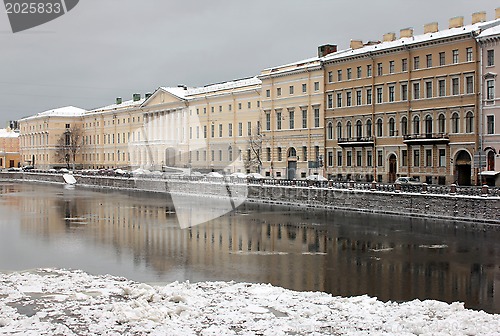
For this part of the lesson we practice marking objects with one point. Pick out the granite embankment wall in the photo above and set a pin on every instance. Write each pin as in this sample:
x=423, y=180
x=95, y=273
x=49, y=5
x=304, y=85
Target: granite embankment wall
x=442, y=206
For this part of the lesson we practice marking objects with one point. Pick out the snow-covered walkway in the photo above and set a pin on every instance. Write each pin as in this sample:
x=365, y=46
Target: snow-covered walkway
x=62, y=302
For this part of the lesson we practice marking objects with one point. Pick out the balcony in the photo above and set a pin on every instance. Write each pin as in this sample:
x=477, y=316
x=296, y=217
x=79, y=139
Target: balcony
x=427, y=138
x=355, y=142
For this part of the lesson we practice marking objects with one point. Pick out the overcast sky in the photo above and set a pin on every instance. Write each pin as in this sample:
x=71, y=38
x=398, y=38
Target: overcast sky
x=103, y=49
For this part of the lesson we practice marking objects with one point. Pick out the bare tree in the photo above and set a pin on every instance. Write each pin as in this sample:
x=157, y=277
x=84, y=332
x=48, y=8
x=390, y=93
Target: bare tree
x=253, y=157
x=69, y=145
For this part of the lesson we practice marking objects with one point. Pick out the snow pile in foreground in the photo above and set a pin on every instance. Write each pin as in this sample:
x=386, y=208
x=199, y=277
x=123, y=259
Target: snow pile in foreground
x=62, y=302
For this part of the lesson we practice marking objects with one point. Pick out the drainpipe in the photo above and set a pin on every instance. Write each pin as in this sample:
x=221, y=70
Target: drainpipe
x=480, y=118
x=375, y=152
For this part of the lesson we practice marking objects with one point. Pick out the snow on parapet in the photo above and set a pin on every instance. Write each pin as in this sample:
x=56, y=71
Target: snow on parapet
x=408, y=41
x=8, y=133
x=125, y=104
x=230, y=85
x=302, y=64
x=67, y=111
x=180, y=91
x=490, y=32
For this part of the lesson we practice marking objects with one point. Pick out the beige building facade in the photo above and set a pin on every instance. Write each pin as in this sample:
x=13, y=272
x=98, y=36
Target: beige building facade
x=9, y=148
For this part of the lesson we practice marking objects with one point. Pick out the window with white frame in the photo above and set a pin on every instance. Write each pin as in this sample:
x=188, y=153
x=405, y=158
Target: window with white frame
x=455, y=86
x=304, y=118
x=490, y=124
x=358, y=97
x=329, y=131
x=469, y=122
x=469, y=84
x=391, y=93
x=490, y=89
x=428, y=89
x=404, y=91
x=339, y=99
x=416, y=90
x=469, y=55
x=455, y=122
x=441, y=87
x=379, y=95
x=454, y=56
x=329, y=100
x=442, y=58
x=490, y=57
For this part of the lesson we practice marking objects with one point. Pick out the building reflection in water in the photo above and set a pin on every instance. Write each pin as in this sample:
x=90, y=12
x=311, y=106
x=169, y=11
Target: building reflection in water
x=344, y=254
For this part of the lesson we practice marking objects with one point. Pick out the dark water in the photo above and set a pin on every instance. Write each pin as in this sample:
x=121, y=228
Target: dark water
x=137, y=236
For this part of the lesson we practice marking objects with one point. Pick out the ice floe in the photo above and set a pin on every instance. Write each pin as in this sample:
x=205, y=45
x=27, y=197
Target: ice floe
x=64, y=302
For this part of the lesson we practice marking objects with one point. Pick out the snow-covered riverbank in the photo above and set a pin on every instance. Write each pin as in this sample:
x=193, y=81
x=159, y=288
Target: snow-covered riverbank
x=62, y=302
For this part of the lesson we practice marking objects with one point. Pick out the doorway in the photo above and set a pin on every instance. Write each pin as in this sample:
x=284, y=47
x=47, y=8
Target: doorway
x=463, y=168
x=393, y=168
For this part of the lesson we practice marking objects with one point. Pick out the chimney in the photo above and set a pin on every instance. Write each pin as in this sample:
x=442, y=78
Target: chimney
x=149, y=94
x=478, y=17
x=389, y=37
x=182, y=86
x=431, y=28
x=356, y=44
x=497, y=13
x=326, y=49
x=456, y=22
x=118, y=100
x=136, y=97
x=406, y=32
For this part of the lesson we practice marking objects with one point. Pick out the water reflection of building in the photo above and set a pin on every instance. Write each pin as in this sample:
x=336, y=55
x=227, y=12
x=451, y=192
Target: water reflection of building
x=343, y=255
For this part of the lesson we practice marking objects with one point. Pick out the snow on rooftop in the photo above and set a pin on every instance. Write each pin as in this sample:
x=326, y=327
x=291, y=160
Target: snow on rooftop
x=67, y=111
x=229, y=85
x=467, y=29
x=125, y=104
x=8, y=133
x=306, y=63
x=179, y=92
x=490, y=32
x=63, y=302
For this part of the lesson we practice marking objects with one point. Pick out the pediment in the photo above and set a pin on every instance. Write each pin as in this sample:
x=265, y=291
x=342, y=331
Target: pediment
x=490, y=75
x=162, y=97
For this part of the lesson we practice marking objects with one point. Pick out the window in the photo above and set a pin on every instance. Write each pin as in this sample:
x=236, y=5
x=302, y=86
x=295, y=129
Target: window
x=220, y=130
x=369, y=128
x=268, y=121
x=416, y=63
x=339, y=99
x=428, y=124
x=392, y=127
x=442, y=157
x=490, y=89
x=380, y=158
x=278, y=120
x=316, y=117
x=230, y=130
x=339, y=130
x=339, y=158
x=428, y=89
x=369, y=96
x=455, y=89
x=358, y=97
x=330, y=159
x=468, y=52
x=280, y=154
x=291, y=89
x=416, y=157
x=304, y=88
x=268, y=154
x=316, y=86
x=369, y=70
x=329, y=131
x=239, y=104
x=291, y=119
x=404, y=157
x=329, y=100
x=348, y=158
x=441, y=87
x=304, y=118
x=469, y=84
x=379, y=95
x=330, y=76
x=391, y=67
x=428, y=60
x=268, y=93
x=348, y=128
x=416, y=90
x=490, y=124
x=455, y=123
x=428, y=157
x=391, y=93
x=240, y=129
x=349, y=98
x=469, y=122
x=339, y=75
x=404, y=65
x=358, y=72
x=212, y=130
x=442, y=58
x=369, y=158
x=304, y=153
x=441, y=123
x=416, y=125
x=379, y=69
x=359, y=129
x=404, y=92
x=212, y=109
x=220, y=108
x=490, y=57
x=358, y=158
x=379, y=128
x=454, y=56
x=349, y=73
x=278, y=91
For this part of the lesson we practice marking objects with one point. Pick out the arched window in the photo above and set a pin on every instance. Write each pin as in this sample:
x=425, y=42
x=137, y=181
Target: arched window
x=404, y=126
x=392, y=127
x=359, y=129
x=428, y=124
x=292, y=152
x=469, y=122
x=455, y=123
x=379, y=128
x=349, y=130
x=339, y=130
x=230, y=153
x=329, y=131
x=441, y=123
x=416, y=125
x=369, y=128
